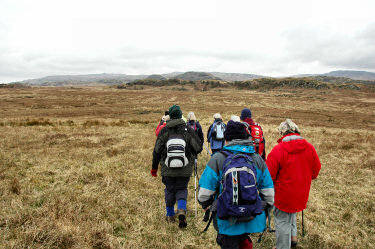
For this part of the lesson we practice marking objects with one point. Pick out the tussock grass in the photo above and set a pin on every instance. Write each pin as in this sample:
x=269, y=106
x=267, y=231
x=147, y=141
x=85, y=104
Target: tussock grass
x=77, y=175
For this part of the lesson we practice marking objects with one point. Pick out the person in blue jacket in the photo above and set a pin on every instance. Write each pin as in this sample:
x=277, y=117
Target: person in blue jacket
x=235, y=235
x=215, y=133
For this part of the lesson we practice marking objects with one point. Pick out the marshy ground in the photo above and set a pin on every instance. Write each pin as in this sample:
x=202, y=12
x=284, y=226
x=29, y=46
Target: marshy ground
x=75, y=164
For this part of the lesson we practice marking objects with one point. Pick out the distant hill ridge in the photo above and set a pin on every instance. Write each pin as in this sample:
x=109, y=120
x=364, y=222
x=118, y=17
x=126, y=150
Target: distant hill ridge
x=355, y=75
x=111, y=79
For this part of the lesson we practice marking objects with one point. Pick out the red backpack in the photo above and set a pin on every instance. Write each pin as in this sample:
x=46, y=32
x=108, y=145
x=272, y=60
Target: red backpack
x=256, y=133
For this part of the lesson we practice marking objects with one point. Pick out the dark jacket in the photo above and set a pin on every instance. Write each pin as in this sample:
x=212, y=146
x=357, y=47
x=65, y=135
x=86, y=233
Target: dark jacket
x=198, y=130
x=193, y=147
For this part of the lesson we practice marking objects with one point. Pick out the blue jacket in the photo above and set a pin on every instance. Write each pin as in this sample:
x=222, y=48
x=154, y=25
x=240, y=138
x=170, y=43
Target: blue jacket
x=216, y=145
x=210, y=182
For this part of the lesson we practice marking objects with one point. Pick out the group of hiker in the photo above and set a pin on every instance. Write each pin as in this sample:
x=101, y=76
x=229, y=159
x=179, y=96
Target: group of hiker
x=240, y=185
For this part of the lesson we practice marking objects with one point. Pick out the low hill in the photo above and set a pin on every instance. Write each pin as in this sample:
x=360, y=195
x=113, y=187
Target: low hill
x=354, y=75
x=115, y=79
x=156, y=77
x=196, y=76
x=237, y=76
x=332, y=79
x=83, y=79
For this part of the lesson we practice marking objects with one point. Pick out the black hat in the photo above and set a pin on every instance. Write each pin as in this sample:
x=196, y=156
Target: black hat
x=245, y=113
x=235, y=130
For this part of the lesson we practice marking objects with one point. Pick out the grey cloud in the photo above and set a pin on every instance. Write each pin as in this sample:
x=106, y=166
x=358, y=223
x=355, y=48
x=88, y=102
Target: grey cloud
x=303, y=47
x=332, y=49
x=229, y=54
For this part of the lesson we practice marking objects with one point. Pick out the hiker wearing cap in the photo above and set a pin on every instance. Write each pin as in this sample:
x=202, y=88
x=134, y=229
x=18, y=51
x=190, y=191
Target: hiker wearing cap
x=235, y=118
x=293, y=163
x=162, y=123
x=215, y=133
x=175, y=149
x=195, y=125
x=233, y=231
x=255, y=132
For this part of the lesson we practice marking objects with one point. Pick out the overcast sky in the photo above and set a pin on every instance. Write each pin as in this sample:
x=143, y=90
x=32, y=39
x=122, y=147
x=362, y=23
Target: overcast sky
x=268, y=37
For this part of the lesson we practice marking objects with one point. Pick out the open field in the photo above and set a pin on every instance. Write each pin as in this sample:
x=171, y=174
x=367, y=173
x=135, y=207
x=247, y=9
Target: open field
x=75, y=165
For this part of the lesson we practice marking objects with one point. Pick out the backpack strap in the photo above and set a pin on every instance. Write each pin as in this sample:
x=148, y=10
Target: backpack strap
x=247, y=128
x=209, y=221
x=210, y=214
x=225, y=153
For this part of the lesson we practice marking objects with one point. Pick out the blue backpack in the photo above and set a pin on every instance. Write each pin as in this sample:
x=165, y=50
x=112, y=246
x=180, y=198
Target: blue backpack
x=239, y=200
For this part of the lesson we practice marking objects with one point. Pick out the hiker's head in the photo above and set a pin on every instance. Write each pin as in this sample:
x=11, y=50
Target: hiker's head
x=245, y=113
x=235, y=118
x=166, y=113
x=235, y=130
x=165, y=118
x=175, y=112
x=287, y=127
x=217, y=116
x=191, y=116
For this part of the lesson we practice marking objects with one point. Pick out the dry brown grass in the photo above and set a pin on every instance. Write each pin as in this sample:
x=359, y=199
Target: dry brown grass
x=75, y=162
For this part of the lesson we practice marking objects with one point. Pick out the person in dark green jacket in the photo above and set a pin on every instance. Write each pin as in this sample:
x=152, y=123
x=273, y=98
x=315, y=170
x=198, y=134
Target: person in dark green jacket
x=175, y=149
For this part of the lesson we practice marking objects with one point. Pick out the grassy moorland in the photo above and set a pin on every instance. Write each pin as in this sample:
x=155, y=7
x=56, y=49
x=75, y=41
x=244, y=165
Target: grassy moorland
x=75, y=162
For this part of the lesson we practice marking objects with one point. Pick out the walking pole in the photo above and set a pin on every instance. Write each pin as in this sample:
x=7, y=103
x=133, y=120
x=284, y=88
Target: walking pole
x=195, y=186
x=269, y=222
x=208, y=151
x=303, y=226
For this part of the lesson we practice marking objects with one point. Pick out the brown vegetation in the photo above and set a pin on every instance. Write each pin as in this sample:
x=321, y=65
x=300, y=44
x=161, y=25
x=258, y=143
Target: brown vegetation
x=75, y=162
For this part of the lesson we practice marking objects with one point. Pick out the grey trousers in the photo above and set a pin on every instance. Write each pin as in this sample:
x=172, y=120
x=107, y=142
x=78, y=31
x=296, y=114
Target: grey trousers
x=286, y=227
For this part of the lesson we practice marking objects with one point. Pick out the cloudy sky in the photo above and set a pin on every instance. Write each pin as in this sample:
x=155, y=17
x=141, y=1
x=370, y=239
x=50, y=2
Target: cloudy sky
x=269, y=37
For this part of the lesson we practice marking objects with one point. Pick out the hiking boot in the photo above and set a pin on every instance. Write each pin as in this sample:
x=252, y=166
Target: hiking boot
x=170, y=219
x=293, y=242
x=181, y=218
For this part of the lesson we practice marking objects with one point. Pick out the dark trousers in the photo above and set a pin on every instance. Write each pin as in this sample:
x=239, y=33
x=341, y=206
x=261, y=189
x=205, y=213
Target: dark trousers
x=234, y=241
x=175, y=189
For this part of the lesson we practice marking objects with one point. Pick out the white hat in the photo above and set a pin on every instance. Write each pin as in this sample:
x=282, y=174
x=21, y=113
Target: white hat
x=217, y=115
x=191, y=116
x=165, y=118
x=288, y=126
x=235, y=118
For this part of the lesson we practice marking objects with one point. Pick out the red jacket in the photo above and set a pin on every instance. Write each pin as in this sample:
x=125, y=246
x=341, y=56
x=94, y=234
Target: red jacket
x=161, y=125
x=293, y=163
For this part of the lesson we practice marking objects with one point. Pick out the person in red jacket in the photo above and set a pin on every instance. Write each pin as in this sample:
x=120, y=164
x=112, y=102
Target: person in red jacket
x=255, y=132
x=292, y=163
x=162, y=124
